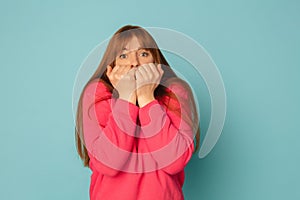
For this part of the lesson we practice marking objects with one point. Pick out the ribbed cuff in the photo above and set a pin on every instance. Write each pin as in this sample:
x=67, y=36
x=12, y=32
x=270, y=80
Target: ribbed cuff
x=150, y=111
x=123, y=108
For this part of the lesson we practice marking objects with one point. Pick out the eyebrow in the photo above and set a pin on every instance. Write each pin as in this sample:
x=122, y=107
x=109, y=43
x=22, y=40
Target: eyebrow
x=137, y=49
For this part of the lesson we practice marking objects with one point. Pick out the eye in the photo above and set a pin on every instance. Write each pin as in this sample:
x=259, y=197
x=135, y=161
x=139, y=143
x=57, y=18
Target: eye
x=123, y=56
x=144, y=54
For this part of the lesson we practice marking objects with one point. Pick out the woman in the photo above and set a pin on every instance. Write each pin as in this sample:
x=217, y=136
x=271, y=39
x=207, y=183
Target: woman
x=136, y=122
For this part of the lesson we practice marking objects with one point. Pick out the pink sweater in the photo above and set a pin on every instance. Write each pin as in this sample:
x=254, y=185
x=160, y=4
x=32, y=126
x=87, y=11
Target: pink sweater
x=135, y=153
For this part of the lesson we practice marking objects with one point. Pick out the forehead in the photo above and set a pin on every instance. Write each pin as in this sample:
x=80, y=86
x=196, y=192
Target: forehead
x=133, y=44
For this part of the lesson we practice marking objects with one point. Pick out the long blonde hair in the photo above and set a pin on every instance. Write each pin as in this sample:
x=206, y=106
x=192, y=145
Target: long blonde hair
x=114, y=47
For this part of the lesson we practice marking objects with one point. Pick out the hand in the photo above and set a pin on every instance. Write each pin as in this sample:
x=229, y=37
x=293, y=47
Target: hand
x=148, y=77
x=123, y=80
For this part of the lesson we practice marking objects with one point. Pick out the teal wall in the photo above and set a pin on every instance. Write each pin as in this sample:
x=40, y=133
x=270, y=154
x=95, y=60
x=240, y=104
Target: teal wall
x=255, y=45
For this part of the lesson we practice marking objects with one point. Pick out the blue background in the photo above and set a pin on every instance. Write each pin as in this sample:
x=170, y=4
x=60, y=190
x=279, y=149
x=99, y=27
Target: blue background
x=255, y=45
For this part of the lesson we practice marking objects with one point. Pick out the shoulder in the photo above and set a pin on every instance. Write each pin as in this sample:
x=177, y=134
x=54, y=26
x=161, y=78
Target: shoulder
x=179, y=88
x=97, y=89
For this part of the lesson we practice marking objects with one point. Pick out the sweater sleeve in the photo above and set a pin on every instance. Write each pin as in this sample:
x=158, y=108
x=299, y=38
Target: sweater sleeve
x=109, y=128
x=166, y=133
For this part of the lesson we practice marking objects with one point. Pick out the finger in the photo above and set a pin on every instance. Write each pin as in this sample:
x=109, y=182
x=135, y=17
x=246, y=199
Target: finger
x=143, y=71
x=138, y=74
x=131, y=73
x=154, y=69
x=120, y=72
x=108, y=70
x=159, y=68
x=148, y=69
x=126, y=69
x=116, y=69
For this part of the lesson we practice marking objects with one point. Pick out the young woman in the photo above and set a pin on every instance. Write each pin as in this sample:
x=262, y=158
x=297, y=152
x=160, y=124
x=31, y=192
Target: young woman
x=136, y=122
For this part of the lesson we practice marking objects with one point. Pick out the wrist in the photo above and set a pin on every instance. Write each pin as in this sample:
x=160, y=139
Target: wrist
x=129, y=98
x=144, y=100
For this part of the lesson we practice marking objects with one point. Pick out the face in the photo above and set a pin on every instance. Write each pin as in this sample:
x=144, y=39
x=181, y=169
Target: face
x=133, y=55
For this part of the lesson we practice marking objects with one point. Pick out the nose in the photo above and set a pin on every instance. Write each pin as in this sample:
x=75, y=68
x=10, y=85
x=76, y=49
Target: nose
x=134, y=60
